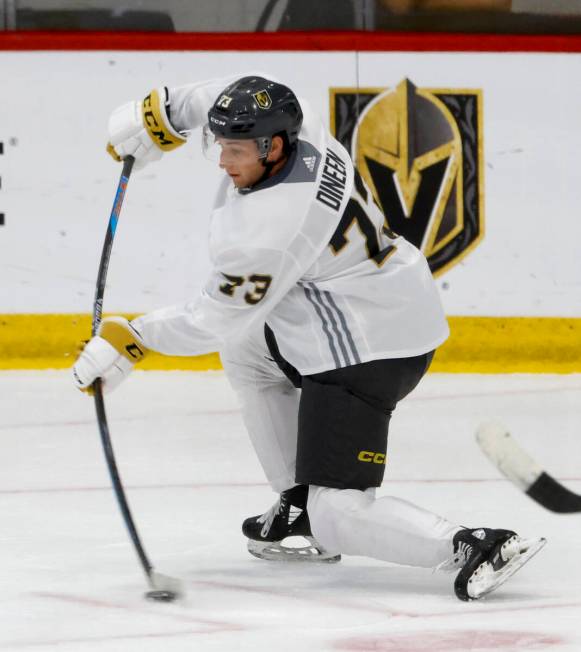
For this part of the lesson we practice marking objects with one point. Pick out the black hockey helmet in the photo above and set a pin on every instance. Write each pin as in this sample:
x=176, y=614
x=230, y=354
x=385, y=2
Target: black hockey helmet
x=256, y=108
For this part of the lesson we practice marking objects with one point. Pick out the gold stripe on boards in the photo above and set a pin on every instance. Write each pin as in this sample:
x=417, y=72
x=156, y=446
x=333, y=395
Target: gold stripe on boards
x=476, y=345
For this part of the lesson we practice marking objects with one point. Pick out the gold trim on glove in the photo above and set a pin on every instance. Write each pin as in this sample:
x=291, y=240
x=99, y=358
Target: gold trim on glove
x=122, y=337
x=111, y=151
x=157, y=124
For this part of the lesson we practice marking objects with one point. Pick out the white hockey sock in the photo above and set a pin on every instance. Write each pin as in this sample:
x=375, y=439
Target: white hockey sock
x=391, y=529
x=270, y=417
x=270, y=406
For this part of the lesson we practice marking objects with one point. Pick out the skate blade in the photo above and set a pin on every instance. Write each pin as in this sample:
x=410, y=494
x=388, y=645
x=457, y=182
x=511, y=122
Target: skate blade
x=276, y=551
x=485, y=579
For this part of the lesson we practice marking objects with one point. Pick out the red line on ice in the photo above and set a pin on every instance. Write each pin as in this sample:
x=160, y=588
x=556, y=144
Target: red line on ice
x=246, y=485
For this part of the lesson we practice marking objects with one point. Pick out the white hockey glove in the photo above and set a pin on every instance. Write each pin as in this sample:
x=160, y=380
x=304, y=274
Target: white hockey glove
x=110, y=355
x=143, y=130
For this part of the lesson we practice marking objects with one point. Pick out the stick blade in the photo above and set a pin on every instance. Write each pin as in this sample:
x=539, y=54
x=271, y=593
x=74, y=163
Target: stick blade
x=554, y=496
x=519, y=467
x=165, y=588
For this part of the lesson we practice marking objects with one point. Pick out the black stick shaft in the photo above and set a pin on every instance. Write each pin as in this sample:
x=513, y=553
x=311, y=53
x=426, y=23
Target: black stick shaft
x=108, y=244
x=116, y=480
x=98, y=393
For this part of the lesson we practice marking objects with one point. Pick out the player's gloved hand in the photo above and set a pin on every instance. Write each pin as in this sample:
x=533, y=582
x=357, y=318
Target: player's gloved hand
x=143, y=130
x=110, y=355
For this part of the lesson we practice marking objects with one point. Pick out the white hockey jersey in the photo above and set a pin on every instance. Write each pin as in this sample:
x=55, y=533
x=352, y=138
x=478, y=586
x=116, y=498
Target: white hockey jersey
x=308, y=252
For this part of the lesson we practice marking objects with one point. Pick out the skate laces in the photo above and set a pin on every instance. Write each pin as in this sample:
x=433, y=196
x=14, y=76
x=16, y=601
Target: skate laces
x=462, y=553
x=278, y=509
x=458, y=558
x=268, y=517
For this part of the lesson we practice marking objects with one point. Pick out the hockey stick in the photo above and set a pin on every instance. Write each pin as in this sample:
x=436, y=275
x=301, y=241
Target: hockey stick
x=162, y=587
x=520, y=468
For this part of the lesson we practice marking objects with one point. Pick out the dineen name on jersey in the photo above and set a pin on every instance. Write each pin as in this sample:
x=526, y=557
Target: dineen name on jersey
x=333, y=180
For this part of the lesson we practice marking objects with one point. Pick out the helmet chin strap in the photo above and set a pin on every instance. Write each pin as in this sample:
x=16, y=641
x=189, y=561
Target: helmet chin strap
x=268, y=167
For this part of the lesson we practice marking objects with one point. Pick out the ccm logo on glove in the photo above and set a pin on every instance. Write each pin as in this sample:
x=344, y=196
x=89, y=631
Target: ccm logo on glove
x=156, y=121
x=143, y=130
x=110, y=355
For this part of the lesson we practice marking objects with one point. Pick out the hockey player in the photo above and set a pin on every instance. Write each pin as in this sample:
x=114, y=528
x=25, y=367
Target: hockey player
x=324, y=319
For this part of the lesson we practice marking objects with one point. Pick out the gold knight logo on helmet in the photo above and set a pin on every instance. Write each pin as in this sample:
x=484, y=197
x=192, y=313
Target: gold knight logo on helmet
x=420, y=153
x=263, y=99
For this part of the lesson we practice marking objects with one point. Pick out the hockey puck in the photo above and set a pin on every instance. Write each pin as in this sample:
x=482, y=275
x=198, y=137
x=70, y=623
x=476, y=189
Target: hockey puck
x=161, y=596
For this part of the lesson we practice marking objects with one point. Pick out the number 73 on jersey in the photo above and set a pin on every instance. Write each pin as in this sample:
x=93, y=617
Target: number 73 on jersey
x=354, y=213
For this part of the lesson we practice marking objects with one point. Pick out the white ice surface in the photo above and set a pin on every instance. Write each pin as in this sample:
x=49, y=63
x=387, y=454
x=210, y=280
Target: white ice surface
x=70, y=578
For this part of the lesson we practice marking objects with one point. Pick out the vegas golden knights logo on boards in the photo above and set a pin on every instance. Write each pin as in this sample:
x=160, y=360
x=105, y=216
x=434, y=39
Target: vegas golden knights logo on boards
x=263, y=99
x=420, y=151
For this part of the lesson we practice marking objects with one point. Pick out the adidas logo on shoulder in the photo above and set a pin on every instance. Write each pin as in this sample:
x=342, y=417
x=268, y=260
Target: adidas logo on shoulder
x=310, y=161
x=479, y=534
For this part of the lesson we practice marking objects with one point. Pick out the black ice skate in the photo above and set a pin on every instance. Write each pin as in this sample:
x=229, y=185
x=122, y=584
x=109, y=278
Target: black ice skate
x=487, y=558
x=286, y=518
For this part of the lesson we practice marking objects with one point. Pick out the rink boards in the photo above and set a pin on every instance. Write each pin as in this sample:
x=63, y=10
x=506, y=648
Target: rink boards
x=513, y=293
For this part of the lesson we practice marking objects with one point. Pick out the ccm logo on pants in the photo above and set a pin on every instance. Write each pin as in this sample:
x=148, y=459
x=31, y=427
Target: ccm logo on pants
x=368, y=456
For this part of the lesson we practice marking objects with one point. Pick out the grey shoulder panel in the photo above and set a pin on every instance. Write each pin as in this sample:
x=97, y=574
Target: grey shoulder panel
x=306, y=164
